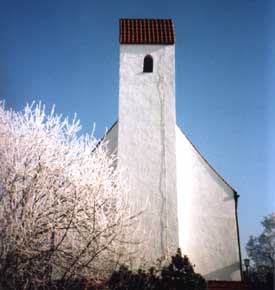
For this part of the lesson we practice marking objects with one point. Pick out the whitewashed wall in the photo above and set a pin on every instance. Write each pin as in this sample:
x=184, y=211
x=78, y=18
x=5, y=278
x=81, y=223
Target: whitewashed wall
x=185, y=202
x=207, y=223
x=111, y=138
x=146, y=143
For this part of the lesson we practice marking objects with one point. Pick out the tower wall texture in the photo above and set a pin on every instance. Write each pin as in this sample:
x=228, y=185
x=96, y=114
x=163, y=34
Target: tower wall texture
x=146, y=143
x=207, y=221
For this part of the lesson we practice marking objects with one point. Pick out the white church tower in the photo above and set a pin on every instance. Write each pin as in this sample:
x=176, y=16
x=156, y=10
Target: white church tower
x=146, y=133
x=186, y=203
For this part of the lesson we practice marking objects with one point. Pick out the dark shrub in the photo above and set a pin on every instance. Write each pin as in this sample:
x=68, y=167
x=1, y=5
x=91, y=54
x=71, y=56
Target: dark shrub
x=178, y=275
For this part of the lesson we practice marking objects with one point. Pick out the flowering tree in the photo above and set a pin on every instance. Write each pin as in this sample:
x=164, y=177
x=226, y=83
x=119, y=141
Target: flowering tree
x=63, y=208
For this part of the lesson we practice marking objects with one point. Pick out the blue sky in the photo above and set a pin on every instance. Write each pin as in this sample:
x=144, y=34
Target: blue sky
x=66, y=53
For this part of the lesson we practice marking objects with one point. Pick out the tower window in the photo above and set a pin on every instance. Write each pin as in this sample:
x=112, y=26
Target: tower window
x=148, y=64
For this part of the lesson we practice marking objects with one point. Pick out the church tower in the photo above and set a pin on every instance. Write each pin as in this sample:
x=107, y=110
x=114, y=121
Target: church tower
x=184, y=201
x=146, y=131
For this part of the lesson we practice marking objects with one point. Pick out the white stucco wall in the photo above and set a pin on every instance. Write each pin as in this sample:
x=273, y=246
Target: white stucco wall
x=146, y=142
x=207, y=223
x=111, y=138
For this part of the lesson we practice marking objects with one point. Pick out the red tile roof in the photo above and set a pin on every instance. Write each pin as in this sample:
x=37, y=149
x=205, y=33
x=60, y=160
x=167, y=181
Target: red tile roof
x=146, y=31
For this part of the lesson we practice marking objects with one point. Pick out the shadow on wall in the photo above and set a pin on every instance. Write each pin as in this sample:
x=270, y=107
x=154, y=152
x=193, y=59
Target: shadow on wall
x=228, y=273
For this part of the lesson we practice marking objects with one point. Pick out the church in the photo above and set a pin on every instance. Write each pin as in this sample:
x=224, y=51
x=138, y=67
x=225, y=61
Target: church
x=187, y=203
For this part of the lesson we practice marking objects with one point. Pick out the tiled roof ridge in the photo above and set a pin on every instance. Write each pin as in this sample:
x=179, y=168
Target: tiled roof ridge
x=146, y=31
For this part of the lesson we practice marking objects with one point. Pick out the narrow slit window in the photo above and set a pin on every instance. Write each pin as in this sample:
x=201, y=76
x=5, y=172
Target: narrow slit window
x=148, y=64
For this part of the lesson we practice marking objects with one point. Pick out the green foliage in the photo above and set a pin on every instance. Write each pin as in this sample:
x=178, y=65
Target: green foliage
x=125, y=279
x=261, y=251
x=178, y=275
x=261, y=279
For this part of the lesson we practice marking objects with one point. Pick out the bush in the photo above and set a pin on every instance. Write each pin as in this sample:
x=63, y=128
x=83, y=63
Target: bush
x=179, y=274
x=261, y=279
